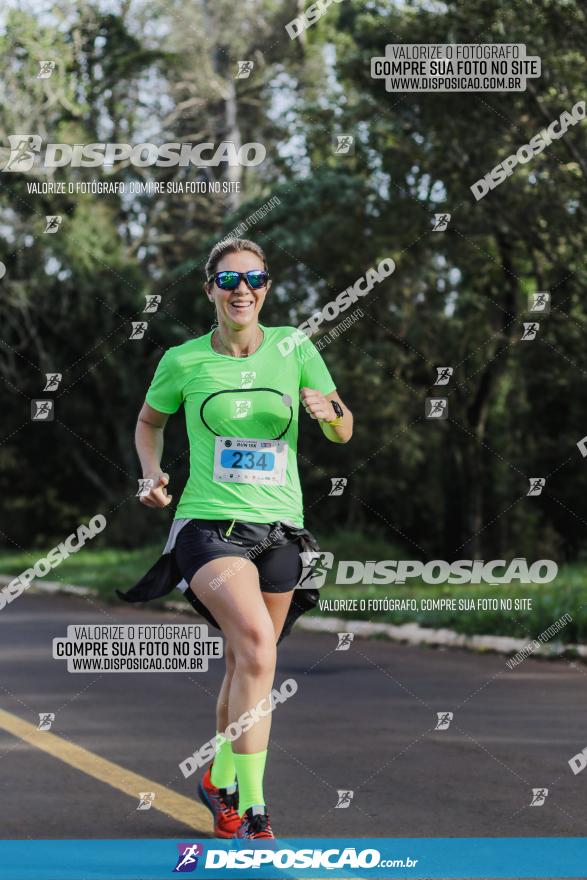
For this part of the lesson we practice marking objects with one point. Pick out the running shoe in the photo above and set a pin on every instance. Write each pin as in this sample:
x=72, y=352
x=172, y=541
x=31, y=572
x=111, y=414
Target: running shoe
x=222, y=803
x=255, y=823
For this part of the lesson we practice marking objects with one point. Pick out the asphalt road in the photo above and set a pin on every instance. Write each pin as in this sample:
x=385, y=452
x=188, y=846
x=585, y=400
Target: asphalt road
x=362, y=720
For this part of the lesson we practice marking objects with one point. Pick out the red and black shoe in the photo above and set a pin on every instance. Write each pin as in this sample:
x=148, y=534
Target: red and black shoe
x=255, y=824
x=223, y=804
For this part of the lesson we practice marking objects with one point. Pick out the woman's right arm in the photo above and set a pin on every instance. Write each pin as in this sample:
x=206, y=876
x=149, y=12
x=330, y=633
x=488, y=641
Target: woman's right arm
x=149, y=445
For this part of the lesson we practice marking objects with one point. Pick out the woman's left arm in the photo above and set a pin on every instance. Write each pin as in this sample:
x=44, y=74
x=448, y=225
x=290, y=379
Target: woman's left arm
x=336, y=426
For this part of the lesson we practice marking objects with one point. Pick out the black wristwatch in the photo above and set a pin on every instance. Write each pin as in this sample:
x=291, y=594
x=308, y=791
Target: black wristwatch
x=338, y=413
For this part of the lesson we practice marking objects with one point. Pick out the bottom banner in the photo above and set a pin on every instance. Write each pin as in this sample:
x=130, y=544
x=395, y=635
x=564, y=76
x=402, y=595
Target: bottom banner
x=415, y=858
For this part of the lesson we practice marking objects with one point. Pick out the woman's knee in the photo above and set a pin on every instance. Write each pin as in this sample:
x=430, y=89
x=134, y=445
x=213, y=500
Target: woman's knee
x=256, y=653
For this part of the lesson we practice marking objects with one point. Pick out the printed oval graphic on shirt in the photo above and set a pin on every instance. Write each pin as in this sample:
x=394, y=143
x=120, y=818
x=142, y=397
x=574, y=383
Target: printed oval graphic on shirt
x=258, y=413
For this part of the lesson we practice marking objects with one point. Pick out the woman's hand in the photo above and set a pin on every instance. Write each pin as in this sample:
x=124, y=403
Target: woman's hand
x=320, y=407
x=316, y=405
x=157, y=495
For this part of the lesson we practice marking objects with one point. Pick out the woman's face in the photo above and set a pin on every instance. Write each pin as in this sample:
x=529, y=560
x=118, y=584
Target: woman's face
x=239, y=307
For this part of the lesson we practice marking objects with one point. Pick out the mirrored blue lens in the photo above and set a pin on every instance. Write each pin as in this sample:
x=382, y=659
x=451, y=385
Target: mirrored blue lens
x=256, y=279
x=228, y=280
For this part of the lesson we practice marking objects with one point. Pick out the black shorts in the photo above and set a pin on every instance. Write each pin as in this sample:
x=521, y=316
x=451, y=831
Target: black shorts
x=276, y=556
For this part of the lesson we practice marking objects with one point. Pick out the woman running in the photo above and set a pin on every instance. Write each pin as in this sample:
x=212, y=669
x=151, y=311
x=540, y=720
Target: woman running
x=241, y=390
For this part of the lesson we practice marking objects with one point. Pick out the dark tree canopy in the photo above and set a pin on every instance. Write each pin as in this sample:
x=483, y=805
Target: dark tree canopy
x=454, y=488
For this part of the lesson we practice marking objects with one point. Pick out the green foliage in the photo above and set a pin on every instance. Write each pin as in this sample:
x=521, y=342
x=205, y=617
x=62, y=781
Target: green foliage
x=105, y=569
x=451, y=489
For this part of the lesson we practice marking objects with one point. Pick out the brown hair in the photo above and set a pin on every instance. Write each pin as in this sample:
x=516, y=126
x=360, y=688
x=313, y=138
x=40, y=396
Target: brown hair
x=232, y=246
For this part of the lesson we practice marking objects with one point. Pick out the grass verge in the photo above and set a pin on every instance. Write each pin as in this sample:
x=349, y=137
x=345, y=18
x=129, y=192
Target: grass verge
x=106, y=569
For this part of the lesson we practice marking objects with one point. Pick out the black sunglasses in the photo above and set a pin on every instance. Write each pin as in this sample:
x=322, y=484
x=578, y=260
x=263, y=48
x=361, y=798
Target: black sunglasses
x=229, y=280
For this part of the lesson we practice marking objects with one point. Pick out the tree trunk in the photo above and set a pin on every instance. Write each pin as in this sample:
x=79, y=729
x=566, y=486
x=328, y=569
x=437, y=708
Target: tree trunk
x=234, y=173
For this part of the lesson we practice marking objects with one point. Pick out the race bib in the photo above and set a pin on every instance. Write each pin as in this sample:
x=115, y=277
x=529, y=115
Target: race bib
x=240, y=460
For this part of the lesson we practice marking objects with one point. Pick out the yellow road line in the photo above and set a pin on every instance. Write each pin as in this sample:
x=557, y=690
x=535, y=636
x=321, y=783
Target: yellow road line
x=182, y=809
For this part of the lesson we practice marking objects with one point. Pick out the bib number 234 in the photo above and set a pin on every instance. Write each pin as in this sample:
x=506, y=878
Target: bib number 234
x=242, y=460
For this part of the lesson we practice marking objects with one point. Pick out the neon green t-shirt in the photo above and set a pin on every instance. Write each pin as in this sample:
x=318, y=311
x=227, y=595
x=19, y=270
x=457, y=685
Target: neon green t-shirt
x=255, y=398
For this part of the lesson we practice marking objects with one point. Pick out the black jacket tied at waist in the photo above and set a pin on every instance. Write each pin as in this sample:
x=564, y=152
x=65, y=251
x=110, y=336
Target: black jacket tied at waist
x=164, y=576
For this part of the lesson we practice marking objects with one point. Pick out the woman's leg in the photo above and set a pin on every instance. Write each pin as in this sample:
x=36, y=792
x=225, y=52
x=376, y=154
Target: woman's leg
x=239, y=608
x=223, y=772
x=279, y=567
x=277, y=605
x=222, y=702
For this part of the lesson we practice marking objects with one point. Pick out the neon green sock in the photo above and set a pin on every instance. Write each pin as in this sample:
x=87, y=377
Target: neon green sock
x=223, y=773
x=249, y=772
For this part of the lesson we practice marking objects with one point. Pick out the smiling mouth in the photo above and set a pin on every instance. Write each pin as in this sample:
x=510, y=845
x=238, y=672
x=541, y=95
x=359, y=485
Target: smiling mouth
x=241, y=304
